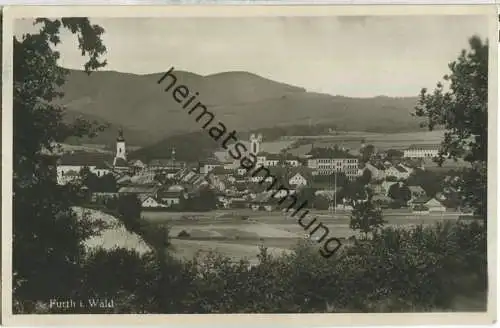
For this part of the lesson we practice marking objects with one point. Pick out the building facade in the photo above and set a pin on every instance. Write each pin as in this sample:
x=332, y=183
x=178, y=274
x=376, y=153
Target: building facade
x=327, y=166
x=421, y=151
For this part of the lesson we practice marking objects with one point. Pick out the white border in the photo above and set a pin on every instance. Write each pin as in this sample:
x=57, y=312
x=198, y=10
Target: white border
x=11, y=13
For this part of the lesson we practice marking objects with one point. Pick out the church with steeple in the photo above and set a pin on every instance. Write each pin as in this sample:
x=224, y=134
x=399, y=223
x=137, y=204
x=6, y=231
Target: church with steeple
x=120, y=160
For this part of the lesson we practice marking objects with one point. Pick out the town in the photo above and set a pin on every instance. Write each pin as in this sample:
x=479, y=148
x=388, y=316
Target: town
x=328, y=175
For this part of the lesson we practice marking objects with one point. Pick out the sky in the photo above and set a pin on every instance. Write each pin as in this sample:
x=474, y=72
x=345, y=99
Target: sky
x=355, y=56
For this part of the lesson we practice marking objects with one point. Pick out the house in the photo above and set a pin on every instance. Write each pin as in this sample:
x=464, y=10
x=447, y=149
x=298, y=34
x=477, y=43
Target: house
x=377, y=170
x=160, y=164
x=382, y=200
x=399, y=171
x=417, y=192
x=239, y=202
x=170, y=198
x=297, y=180
x=207, y=166
x=377, y=188
x=386, y=185
x=428, y=204
x=172, y=195
x=70, y=164
x=421, y=151
x=151, y=190
x=149, y=202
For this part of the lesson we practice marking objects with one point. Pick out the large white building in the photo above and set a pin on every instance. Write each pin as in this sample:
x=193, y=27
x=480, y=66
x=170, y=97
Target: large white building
x=327, y=161
x=421, y=151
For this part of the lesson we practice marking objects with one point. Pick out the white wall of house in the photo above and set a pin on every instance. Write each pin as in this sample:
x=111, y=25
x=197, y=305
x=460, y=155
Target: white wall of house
x=298, y=180
x=420, y=153
x=292, y=162
x=259, y=178
x=150, y=202
x=171, y=201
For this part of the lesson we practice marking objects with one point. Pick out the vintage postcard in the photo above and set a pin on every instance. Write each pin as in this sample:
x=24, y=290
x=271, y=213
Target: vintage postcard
x=301, y=165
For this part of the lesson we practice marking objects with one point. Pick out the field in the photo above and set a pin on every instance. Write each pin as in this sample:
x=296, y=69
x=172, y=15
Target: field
x=227, y=233
x=382, y=141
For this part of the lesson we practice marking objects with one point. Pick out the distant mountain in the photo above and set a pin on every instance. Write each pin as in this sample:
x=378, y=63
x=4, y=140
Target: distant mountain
x=108, y=136
x=241, y=100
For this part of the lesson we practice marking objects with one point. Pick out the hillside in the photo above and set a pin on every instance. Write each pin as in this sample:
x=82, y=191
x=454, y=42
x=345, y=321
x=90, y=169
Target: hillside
x=243, y=101
x=108, y=136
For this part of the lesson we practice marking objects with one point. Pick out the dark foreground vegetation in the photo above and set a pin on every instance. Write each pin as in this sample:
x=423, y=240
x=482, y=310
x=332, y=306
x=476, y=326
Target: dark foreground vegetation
x=388, y=270
x=423, y=269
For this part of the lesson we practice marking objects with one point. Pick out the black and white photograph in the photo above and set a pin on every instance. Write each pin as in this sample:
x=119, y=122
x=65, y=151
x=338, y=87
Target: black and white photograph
x=328, y=161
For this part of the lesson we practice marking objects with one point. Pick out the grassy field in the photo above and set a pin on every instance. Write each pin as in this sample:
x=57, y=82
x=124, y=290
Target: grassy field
x=382, y=141
x=226, y=232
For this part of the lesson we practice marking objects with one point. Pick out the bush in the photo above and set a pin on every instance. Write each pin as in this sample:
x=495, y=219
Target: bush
x=398, y=270
x=183, y=234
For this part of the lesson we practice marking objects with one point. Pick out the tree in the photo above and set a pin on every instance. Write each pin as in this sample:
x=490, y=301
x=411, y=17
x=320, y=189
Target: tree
x=400, y=194
x=367, y=152
x=429, y=181
x=129, y=209
x=366, y=217
x=365, y=178
x=321, y=203
x=47, y=236
x=462, y=111
x=394, y=154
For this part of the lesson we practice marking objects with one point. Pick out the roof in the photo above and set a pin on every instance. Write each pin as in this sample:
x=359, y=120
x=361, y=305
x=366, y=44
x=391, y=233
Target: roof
x=137, y=163
x=329, y=153
x=424, y=146
x=171, y=194
x=120, y=162
x=143, y=197
x=401, y=169
x=166, y=162
x=71, y=173
x=175, y=188
x=303, y=171
x=103, y=166
x=138, y=189
x=83, y=158
x=124, y=178
x=378, y=166
x=421, y=200
x=416, y=189
x=210, y=161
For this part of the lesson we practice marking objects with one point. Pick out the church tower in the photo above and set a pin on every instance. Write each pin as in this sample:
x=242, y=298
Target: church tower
x=121, y=151
x=255, y=143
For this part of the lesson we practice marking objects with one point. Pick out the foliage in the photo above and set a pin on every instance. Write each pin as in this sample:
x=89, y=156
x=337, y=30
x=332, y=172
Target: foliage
x=321, y=203
x=106, y=183
x=400, y=194
x=47, y=235
x=366, y=217
x=393, y=154
x=183, y=234
x=205, y=200
x=367, y=152
x=431, y=182
x=463, y=112
x=342, y=179
x=129, y=209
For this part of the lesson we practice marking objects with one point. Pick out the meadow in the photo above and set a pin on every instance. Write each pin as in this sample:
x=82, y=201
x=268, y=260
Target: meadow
x=225, y=232
x=382, y=141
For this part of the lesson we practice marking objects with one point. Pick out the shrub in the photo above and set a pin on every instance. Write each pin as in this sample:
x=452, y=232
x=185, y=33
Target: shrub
x=183, y=234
